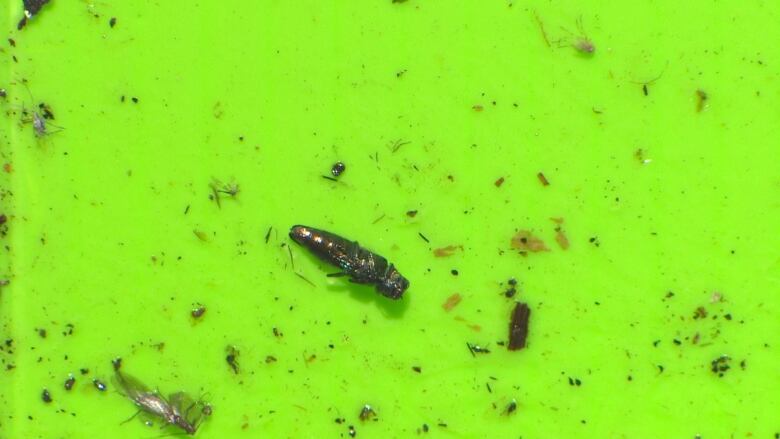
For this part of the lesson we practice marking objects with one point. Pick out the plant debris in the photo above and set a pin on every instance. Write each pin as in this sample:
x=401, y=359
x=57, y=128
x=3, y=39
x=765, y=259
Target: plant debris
x=525, y=241
x=518, y=326
x=452, y=302
x=701, y=100
x=560, y=234
x=447, y=251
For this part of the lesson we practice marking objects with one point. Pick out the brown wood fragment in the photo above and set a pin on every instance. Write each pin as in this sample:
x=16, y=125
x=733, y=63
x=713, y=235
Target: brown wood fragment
x=447, y=251
x=560, y=237
x=701, y=100
x=452, y=302
x=560, y=234
x=525, y=241
x=518, y=326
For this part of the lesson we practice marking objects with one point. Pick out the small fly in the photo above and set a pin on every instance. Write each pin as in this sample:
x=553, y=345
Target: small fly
x=361, y=265
x=580, y=42
x=367, y=413
x=39, y=118
x=178, y=410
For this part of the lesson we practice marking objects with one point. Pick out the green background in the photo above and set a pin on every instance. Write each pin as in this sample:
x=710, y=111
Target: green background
x=98, y=236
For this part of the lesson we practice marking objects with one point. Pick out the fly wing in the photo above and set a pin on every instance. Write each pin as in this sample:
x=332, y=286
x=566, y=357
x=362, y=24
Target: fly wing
x=181, y=402
x=130, y=386
x=184, y=406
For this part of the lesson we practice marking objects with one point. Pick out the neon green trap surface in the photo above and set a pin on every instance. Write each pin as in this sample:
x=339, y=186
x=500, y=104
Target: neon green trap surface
x=660, y=149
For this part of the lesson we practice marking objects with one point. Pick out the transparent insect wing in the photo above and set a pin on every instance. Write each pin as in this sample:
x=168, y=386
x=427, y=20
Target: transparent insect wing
x=188, y=413
x=156, y=405
x=130, y=386
x=182, y=403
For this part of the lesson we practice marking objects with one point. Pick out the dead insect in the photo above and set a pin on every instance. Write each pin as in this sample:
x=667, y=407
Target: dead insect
x=198, y=311
x=232, y=358
x=40, y=126
x=580, y=42
x=178, y=410
x=477, y=349
x=367, y=413
x=217, y=189
x=31, y=9
x=230, y=189
x=99, y=385
x=46, y=396
x=511, y=407
x=39, y=117
x=337, y=169
x=70, y=382
x=361, y=265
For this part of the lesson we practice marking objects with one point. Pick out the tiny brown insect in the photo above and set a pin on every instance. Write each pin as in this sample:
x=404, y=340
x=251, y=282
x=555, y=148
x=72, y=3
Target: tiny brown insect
x=178, y=410
x=367, y=413
x=198, y=311
x=70, y=382
x=337, y=169
x=232, y=358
